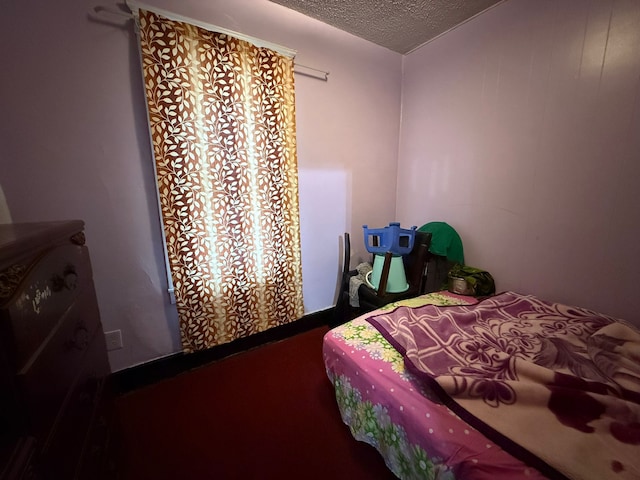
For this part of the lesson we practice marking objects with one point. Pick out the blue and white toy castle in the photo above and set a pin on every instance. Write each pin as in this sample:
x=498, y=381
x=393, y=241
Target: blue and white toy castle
x=399, y=242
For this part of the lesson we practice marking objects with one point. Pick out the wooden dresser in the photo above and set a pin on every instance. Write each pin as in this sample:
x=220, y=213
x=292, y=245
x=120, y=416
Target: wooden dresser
x=53, y=360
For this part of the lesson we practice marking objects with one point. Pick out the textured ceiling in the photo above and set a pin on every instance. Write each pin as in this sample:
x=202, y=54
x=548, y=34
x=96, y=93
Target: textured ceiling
x=399, y=25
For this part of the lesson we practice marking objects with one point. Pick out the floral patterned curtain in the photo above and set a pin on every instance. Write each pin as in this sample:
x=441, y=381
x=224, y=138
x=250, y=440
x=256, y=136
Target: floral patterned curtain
x=222, y=120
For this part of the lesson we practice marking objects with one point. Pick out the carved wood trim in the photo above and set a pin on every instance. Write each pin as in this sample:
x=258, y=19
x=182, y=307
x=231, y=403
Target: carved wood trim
x=78, y=238
x=10, y=278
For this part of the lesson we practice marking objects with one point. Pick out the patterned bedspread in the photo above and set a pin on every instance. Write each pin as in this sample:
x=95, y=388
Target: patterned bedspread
x=556, y=386
x=388, y=407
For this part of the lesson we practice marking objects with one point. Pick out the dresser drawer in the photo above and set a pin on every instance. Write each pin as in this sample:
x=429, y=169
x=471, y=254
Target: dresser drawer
x=49, y=374
x=53, y=358
x=45, y=291
x=69, y=445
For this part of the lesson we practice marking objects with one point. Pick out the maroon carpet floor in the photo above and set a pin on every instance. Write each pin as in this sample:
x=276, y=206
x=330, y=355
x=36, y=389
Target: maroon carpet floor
x=269, y=413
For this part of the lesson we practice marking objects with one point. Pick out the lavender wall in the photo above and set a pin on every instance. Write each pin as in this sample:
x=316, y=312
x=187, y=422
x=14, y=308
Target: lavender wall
x=521, y=129
x=74, y=144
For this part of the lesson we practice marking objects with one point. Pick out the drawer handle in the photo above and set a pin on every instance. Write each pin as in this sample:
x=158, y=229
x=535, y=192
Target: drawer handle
x=80, y=339
x=88, y=391
x=68, y=279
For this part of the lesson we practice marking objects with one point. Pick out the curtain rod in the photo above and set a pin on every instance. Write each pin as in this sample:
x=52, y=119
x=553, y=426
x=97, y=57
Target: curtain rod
x=134, y=8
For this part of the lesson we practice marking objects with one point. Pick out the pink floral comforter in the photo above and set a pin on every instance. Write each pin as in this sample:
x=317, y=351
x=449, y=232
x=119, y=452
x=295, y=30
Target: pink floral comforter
x=388, y=407
x=556, y=386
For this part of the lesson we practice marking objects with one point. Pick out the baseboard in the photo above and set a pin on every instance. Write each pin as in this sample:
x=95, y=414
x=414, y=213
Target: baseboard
x=124, y=381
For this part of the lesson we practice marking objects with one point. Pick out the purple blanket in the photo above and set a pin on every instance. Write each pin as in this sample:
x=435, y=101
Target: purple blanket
x=556, y=386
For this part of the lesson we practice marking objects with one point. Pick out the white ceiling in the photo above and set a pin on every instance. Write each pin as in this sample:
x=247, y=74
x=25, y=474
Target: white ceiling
x=399, y=25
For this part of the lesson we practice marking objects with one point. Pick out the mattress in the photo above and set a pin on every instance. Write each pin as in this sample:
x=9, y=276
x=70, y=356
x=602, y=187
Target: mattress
x=385, y=406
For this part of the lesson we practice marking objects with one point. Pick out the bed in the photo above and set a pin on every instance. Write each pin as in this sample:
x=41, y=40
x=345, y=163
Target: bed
x=511, y=387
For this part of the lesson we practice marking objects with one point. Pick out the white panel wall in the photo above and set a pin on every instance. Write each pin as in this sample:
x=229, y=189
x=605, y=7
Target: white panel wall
x=521, y=130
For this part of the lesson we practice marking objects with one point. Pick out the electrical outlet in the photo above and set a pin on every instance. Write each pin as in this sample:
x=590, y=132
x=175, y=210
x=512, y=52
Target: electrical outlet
x=113, y=339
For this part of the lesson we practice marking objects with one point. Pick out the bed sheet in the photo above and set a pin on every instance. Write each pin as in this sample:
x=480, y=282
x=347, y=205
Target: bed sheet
x=385, y=406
